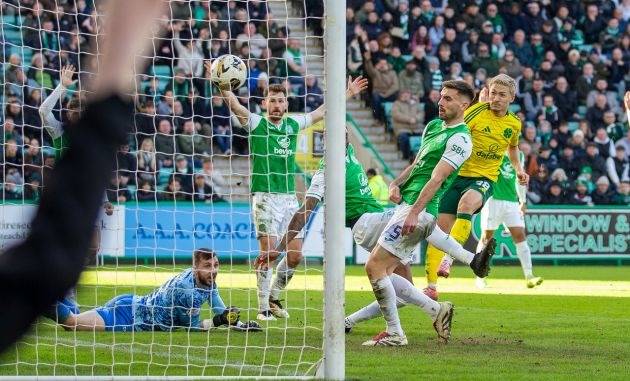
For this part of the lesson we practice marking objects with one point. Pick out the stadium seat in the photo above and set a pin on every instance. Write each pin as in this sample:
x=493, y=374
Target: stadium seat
x=387, y=108
x=515, y=107
x=414, y=144
x=573, y=126
x=582, y=111
x=164, y=174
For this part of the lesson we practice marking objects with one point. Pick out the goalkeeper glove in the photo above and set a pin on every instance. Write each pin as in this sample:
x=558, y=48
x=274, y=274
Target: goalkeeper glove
x=229, y=316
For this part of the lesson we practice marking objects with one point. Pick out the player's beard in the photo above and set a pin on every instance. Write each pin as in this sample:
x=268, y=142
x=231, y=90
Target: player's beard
x=276, y=116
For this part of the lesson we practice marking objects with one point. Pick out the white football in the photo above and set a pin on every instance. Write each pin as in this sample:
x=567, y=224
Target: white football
x=228, y=72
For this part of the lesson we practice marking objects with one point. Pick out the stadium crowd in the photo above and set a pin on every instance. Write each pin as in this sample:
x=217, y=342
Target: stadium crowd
x=571, y=60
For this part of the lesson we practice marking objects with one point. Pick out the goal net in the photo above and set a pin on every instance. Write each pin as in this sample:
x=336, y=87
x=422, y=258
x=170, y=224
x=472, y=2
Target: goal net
x=182, y=183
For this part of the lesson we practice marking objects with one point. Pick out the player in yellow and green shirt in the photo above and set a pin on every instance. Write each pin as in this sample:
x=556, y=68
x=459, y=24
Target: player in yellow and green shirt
x=495, y=132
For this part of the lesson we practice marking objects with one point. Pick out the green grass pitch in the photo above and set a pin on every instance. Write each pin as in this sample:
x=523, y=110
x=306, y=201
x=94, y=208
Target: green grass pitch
x=495, y=337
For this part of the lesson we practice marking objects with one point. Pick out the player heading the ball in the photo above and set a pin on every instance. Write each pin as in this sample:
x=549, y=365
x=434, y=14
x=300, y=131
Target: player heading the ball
x=272, y=144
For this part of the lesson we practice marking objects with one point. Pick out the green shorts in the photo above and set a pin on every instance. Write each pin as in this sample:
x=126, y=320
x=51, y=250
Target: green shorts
x=450, y=199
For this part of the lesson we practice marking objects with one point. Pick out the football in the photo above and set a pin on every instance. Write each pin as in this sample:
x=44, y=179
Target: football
x=228, y=72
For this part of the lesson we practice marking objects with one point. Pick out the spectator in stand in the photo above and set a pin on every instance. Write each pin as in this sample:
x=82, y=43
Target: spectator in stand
x=407, y=116
x=126, y=163
x=411, y=79
x=184, y=173
x=533, y=99
x=592, y=24
x=550, y=112
x=32, y=160
x=585, y=83
x=311, y=93
x=604, y=194
x=578, y=143
x=164, y=144
x=594, y=160
x=565, y=99
x=145, y=192
x=531, y=138
x=581, y=196
x=595, y=113
x=614, y=130
x=221, y=125
x=470, y=47
x=555, y=194
x=295, y=62
x=256, y=41
x=547, y=158
x=430, y=108
x=12, y=184
x=384, y=84
x=569, y=162
x=538, y=185
x=166, y=104
x=116, y=193
x=173, y=190
x=522, y=49
x=511, y=64
x=146, y=162
x=618, y=167
x=189, y=142
x=378, y=186
x=201, y=191
x=434, y=77
x=601, y=87
x=485, y=60
x=604, y=144
x=214, y=178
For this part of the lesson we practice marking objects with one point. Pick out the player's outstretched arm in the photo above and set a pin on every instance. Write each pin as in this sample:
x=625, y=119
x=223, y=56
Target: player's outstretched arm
x=241, y=112
x=354, y=87
x=50, y=123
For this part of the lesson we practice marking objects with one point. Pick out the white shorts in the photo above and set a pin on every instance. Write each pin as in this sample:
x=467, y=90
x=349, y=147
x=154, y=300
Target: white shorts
x=369, y=227
x=403, y=246
x=497, y=212
x=273, y=212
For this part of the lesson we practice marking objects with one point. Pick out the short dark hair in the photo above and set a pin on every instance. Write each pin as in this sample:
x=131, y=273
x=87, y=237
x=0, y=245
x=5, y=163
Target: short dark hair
x=371, y=172
x=203, y=254
x=462, y=87
x=276, y=88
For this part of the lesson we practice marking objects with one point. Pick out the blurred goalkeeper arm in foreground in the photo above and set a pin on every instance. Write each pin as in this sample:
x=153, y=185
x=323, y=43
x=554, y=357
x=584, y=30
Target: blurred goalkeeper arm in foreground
x=36, y=273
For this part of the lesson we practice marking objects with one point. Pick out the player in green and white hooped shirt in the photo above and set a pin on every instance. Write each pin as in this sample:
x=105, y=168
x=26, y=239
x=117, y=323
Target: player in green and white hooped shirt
x=507, y=206
x=273, y=142
x=446, y=145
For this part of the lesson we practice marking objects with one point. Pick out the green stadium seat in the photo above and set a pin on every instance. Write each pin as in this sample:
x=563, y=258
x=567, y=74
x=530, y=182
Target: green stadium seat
x=582, y=111
x=163, y=71
x=514, y=108
x=573, y=126
x=164, y=174
x=387, y=107
x=414, y=143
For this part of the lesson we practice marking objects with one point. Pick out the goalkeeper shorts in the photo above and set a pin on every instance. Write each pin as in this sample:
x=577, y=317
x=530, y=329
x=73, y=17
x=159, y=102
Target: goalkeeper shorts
x=118, y=313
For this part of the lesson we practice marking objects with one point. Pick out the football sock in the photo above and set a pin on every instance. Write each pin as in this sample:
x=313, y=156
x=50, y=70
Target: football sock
x=263, y=281
x=460, y=231
x=446, y=243
x=283, y=276
x=525, y=256
x=369, y=312
x=386, y=298
x=433, y=259
x=411, y=295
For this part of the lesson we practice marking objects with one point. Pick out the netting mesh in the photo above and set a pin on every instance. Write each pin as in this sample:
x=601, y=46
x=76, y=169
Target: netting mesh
x=182, y=182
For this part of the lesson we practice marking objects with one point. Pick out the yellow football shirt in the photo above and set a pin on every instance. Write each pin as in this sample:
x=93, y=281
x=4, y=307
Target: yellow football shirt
x=491, y=136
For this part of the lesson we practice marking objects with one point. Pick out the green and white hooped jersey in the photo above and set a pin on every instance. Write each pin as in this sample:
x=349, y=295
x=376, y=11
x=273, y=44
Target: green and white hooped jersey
x=359, y=199
x=506, y=187
x=272, y=149
x=452, y=144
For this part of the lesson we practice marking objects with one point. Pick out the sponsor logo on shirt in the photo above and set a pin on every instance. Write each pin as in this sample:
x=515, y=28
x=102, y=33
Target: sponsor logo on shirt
x=284, y=142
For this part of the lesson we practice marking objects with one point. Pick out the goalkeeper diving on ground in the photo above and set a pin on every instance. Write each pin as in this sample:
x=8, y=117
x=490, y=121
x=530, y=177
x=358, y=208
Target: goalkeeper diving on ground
x=174, y=305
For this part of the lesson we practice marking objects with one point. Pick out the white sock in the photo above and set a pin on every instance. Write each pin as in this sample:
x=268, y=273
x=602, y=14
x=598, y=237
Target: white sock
x=283, y=276
x=263, y=280
x=525, y=256
x=369, y=312
x=386, y=298
x=452, y=248
x=410, y=294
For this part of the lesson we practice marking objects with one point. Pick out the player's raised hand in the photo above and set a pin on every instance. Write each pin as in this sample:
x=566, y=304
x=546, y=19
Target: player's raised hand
x=394, y=194
x=410, y=224
x=109, y=208
x=66, y=75
x=356, y=86
x=484, y=95
x=208, y=66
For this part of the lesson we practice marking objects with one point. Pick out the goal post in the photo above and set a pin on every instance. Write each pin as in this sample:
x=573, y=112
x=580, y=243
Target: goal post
x=334, y=260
